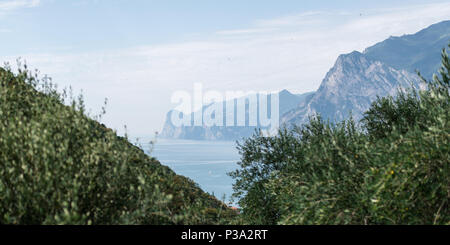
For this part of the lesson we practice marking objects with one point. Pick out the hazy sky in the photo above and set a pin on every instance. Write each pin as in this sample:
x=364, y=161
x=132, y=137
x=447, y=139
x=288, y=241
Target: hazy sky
x=137, y=53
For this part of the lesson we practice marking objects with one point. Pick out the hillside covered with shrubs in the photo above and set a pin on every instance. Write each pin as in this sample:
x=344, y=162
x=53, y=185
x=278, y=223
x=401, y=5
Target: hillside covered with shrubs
x=393, y=167
x=59, y=166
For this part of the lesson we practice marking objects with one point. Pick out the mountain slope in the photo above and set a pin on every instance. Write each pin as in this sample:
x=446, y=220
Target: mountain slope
x=351, y=85
x=358, y=78
x=419, y=51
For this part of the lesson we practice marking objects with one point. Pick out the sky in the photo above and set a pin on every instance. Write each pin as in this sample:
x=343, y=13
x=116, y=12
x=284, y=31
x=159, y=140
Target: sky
x=138, y=53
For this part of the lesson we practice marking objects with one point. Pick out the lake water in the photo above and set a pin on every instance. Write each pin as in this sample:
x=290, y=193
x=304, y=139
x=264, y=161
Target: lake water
x=205, y=162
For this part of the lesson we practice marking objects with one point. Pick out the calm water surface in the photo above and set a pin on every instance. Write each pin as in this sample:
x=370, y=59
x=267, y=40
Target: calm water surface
x=205, y=162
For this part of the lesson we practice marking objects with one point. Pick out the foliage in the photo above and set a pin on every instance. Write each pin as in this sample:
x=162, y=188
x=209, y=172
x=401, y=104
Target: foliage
x=394, y=169
x=59, y=166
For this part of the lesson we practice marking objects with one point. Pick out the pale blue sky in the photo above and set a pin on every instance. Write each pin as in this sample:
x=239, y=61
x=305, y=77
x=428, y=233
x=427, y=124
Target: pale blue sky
x=81, y=25
x=137, y=53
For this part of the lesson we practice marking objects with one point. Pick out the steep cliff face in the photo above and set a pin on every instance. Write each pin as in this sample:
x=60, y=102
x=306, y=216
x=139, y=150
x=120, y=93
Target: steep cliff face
x=351, y=85
x=420, y=51
x=357, y=79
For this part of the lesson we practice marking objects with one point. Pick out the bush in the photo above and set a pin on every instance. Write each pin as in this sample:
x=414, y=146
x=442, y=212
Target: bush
x=59, y=166
x=393, y=170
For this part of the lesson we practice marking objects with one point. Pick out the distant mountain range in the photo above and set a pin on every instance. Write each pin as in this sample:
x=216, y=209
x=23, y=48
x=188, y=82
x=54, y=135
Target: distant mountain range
x=351, y=85
x=287, y=102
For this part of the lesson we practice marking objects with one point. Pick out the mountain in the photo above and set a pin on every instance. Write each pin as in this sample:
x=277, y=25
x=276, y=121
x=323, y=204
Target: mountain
x=420, y=51
x=356, y=79
x=287, y=101
x=59, y=166
x=351, y=85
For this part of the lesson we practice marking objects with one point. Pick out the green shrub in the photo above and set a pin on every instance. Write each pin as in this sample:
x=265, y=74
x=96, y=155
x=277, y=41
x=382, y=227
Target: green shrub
x=59, y=166
x=395, y=169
